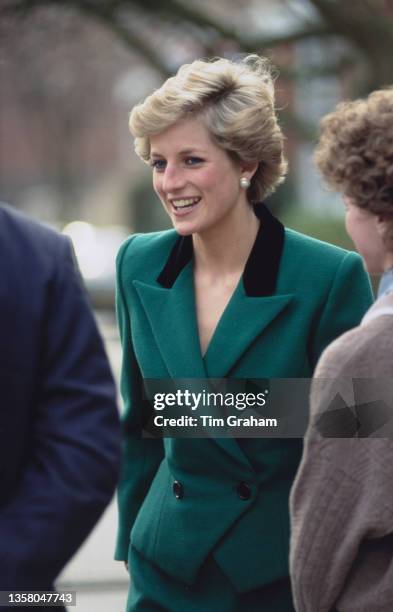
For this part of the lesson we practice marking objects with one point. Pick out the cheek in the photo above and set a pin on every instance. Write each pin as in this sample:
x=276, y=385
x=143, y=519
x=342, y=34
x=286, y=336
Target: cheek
x=207, y=179
x=157, y=181
x=218, y=177
x=220, y=184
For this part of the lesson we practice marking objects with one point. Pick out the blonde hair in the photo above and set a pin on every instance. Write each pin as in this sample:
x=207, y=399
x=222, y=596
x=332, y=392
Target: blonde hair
x=355, y=151
x=236, y=102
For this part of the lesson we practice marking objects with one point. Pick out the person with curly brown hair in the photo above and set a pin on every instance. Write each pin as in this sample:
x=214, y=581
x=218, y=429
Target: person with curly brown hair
x=342, y=498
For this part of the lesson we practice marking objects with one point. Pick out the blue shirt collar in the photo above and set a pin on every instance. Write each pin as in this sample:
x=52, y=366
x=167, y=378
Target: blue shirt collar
x=386, y=283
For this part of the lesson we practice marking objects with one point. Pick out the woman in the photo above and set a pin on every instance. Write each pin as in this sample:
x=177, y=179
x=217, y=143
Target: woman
x=342, y=542
x=228, y=293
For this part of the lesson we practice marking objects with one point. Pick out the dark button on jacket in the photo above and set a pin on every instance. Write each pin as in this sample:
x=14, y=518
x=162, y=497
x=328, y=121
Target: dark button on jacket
x=177, y=488
x=244, y=490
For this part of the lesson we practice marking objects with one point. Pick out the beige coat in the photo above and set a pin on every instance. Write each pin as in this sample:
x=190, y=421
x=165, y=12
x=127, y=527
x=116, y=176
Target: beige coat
x=342, y=498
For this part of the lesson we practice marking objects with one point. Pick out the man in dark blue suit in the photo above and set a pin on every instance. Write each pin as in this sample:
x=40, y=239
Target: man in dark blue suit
x=59, y=428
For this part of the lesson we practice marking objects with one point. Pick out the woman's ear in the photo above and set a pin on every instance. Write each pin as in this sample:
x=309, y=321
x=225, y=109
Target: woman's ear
x=248, y=169
x=384, y=226
x=382, y=221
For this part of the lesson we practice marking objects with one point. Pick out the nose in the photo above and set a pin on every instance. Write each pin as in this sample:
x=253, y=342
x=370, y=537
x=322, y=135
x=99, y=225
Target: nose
x=173, y=179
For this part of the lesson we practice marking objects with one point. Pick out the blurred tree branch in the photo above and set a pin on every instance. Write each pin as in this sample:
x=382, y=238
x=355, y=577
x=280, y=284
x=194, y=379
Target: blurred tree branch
x=365, y=25
x=111, y=14
x=353, y=41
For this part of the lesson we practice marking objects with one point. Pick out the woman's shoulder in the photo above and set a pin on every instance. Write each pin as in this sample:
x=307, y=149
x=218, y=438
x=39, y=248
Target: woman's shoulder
x=296, y=241
x=142, y=248
x=319, y=258
x=364, y=351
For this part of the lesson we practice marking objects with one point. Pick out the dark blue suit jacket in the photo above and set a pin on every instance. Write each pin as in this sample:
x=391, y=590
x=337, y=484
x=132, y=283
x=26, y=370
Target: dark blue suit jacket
x=59, y=429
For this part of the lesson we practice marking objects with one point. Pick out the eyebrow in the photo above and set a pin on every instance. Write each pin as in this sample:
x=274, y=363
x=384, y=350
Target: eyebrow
x=182, y=152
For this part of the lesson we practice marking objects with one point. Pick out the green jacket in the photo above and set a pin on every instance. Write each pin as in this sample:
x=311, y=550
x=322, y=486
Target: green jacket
x=296, y=295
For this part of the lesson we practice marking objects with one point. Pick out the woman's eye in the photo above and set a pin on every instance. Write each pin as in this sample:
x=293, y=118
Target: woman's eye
x=158, y=164
x=192, y=161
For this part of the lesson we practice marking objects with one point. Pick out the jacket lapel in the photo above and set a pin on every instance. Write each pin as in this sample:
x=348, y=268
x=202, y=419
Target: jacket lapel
x=172, y=317
x=254, y=304
x=244, y=319
x=169, y=304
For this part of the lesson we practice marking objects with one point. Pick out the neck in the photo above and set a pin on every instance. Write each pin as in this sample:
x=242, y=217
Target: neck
x=388, y=261
x=224, y=249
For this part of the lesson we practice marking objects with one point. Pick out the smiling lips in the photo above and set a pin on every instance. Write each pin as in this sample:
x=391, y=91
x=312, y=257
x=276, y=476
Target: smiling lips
x=183, y=206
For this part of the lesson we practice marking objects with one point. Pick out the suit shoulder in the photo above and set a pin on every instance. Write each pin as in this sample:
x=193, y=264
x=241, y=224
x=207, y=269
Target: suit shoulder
x=364, y=351
x=19, y=221
x=313, y=245
x=317, y=253
x=39, y=241
x=143, y=250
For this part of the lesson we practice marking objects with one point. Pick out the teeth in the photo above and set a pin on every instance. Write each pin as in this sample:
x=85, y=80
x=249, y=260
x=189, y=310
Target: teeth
x=185, y=202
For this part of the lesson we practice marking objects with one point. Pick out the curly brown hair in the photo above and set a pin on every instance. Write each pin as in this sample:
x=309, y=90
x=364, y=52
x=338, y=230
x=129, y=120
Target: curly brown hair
x=355, y=151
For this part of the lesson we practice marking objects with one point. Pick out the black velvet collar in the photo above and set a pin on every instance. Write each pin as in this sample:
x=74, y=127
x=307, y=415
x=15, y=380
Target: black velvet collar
x=261, y=269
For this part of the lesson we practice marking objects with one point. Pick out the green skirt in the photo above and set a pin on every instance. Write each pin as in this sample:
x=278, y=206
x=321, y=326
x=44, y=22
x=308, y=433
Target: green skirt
x=151, y=590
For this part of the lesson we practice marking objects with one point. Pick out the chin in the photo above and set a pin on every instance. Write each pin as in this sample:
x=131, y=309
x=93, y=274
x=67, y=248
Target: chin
x=184, y=228
x=183, y=231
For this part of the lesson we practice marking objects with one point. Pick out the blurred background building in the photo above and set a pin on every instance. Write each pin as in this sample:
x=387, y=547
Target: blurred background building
x=70, y=71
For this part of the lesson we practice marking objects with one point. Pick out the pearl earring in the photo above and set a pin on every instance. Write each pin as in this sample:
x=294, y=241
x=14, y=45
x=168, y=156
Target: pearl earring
x=244, y=182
